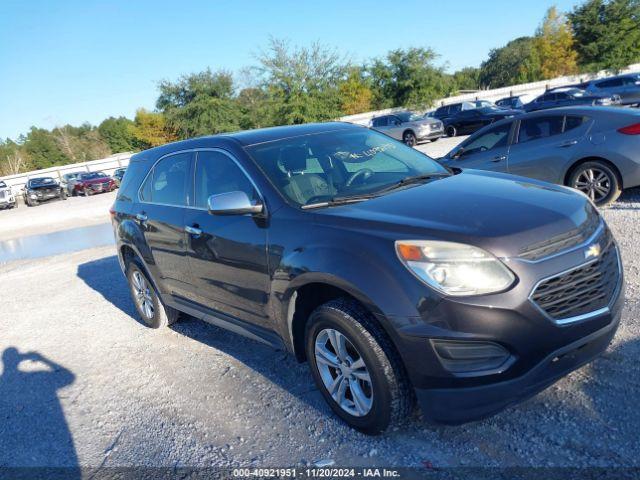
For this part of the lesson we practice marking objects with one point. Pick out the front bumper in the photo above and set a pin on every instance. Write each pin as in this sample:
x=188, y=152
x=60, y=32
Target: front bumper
x=460, y=405
x=430, y=135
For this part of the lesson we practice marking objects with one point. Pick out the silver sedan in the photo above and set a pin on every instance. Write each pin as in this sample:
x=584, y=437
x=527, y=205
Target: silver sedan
x=593, y=149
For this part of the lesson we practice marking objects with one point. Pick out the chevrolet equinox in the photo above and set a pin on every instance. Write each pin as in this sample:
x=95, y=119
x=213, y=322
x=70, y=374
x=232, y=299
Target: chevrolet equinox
x=396, y=278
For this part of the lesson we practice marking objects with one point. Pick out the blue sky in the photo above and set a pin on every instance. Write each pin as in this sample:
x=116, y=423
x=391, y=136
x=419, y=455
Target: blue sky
x=72, y=61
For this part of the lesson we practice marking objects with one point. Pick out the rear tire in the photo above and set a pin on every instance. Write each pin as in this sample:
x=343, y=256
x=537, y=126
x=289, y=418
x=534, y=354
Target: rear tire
x=598, y=181
x=386, y=398
x=150, y=308
x=451, y=131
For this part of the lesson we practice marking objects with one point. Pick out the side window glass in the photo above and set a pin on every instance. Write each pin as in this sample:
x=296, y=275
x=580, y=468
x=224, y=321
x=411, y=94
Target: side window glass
x=455, y=108
x=216, y=173
x=145, y=191
x=572, y=122
x=493, y=138
x=539, y=127
x=169, y=180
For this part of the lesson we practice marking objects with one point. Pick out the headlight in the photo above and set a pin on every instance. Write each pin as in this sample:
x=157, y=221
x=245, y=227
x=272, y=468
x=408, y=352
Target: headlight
x=454, y=268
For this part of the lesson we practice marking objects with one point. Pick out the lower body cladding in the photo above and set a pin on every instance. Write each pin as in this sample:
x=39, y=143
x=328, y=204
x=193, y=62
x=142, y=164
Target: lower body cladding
x=473, y=358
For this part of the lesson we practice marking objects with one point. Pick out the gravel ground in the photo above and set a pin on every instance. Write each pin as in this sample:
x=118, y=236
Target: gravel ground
x=87, y=384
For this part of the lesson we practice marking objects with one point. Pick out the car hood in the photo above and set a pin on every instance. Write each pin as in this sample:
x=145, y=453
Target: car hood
x=44, y=187
x=425, y=121
x=95, y=180
x=501, y=213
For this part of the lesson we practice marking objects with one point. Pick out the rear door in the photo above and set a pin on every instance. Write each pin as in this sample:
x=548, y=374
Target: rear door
x=160, y=213
x=543, y=144
x=227, y=254
x=487, y=151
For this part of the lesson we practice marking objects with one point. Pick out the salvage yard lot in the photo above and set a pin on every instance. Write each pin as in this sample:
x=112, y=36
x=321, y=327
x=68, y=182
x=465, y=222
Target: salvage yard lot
x=119, y=394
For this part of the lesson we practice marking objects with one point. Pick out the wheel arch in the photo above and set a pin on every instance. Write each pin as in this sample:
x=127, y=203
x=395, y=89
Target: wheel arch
x=572, y=168
x=306, y=296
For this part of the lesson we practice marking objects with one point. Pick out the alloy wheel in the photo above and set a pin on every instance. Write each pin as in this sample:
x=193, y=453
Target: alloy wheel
x=142, y=294
x=593, y=182
x=343, y=372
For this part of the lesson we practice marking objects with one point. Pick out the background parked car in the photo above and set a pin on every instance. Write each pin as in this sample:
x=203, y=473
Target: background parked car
x=69, y=180
x=7, y=199
x=593, y=149
x=566, y=96
x=446, y=111
x=117, y=175
x=468, y=121
x=94, y=182
x=627, y=87
x=409, y=127
x=516, y=101
x=41, y=189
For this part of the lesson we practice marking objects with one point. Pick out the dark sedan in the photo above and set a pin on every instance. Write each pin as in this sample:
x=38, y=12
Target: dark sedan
x=567, y=97
x=466, y=122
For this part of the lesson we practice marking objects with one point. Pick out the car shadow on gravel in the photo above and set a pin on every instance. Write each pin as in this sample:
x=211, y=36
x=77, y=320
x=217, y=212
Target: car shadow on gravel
x=629, y=200
x=104, y=276
x=33, y=431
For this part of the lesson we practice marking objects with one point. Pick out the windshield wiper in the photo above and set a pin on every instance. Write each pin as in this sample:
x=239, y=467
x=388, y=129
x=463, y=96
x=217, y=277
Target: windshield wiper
x=339, y=201
x=410, y=180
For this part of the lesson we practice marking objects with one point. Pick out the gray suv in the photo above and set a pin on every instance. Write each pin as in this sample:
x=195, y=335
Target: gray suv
x=409, y=127
x=627, y=87
x=593, y=149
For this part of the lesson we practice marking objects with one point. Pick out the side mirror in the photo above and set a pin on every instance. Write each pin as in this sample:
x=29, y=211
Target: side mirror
x=233, y=203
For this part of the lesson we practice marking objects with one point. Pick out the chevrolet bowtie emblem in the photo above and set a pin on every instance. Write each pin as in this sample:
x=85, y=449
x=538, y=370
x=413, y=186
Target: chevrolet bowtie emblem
x=593, y=251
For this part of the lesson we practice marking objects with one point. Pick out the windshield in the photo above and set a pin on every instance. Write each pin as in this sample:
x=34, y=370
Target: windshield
x=409, y=116
x=41, y=181
x=92, y=175
x=347, y=163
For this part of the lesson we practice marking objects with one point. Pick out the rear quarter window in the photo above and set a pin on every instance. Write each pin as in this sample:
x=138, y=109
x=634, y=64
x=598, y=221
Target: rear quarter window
x=131, y=181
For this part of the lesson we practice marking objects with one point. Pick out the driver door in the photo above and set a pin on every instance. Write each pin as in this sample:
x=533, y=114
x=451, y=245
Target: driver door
x=487, y=151
x=227, y=254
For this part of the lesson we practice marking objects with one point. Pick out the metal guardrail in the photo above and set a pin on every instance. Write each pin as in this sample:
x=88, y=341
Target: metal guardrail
x=107, y=165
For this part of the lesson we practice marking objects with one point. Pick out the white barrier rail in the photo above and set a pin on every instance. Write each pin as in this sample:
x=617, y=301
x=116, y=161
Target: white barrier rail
x=107, y=165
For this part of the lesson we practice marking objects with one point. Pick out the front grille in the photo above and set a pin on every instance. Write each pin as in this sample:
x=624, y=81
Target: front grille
x=2, y=195
x=561, y=242
x=582, y=290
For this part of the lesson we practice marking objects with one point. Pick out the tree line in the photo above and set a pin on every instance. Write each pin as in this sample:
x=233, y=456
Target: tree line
x=292, y=85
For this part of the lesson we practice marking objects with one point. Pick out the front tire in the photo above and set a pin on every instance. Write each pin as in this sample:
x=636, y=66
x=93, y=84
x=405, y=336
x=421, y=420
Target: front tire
x=148, y=304
x=451, y=131
x=600, y=182
x=409, y=139
x=356, y=368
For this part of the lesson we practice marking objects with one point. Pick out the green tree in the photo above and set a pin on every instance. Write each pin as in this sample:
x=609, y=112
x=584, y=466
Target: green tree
x=407, y=78
x=607, y=33
x=554, y=45
x=200, y=104
x=516, y=62
x=13, y=158
x=116, y=132
x=150, y=129
x=301, y=83
x=253, y=103
x=44, y=149
x=355, y=94
x=467, y=78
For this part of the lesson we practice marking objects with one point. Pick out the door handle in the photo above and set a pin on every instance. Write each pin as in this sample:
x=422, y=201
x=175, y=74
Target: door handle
x=499, y=158
x=141, y=217
x=196, y=232
x=568, y=143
